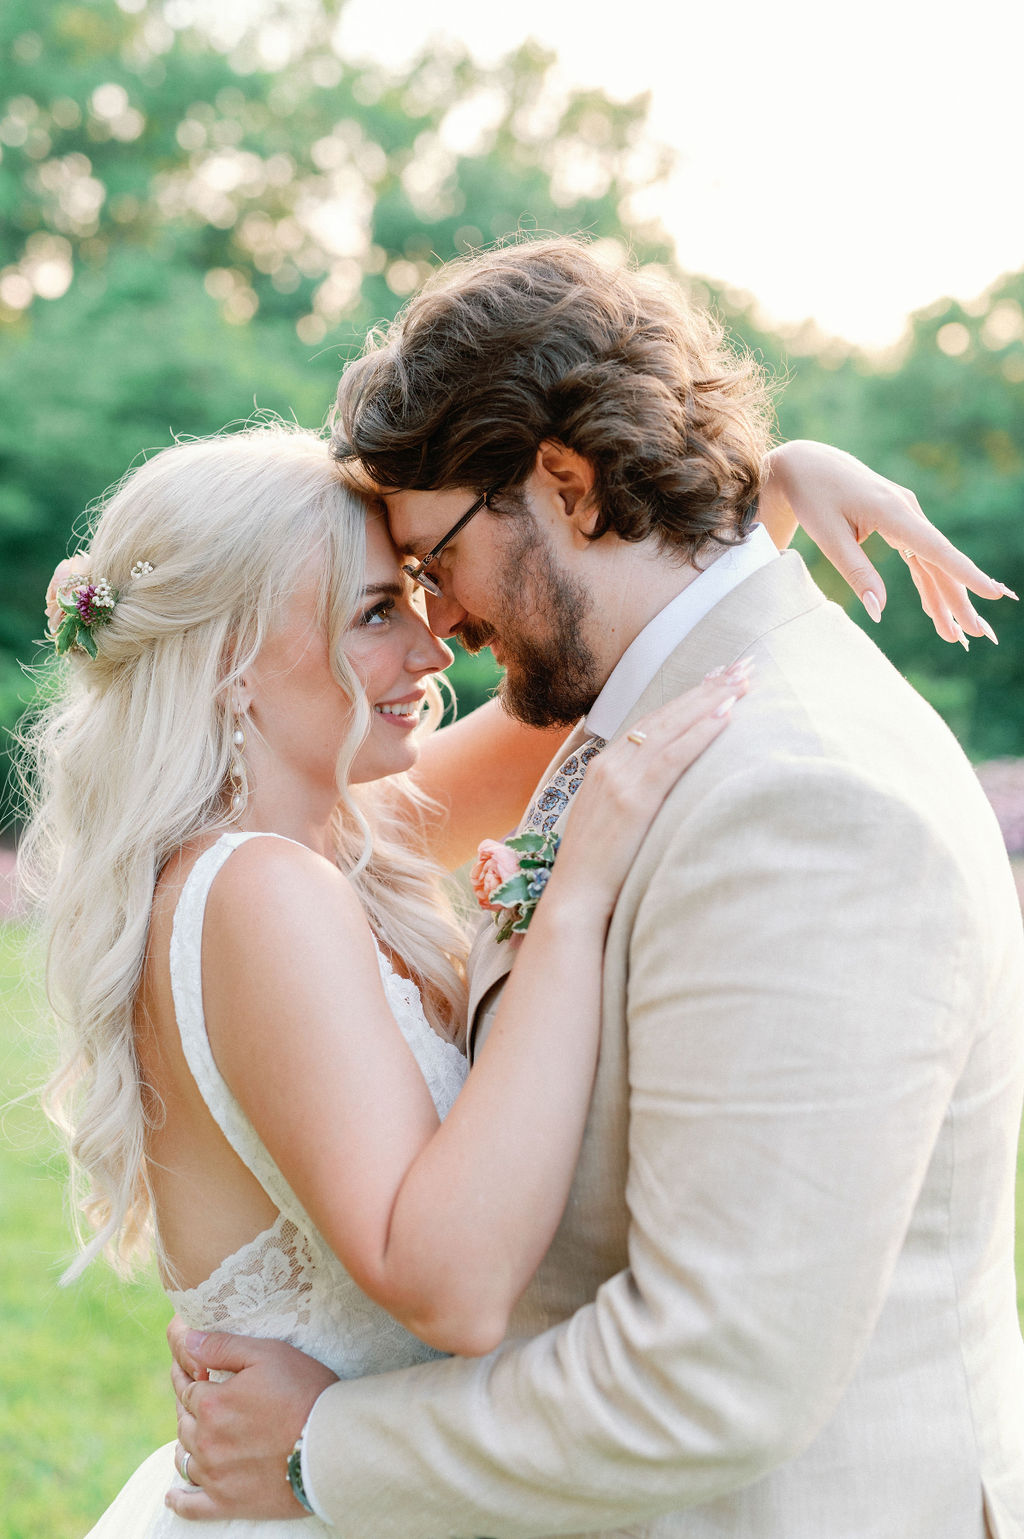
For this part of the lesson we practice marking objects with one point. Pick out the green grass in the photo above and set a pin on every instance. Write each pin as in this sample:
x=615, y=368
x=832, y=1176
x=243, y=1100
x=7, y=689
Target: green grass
x=84, y=1391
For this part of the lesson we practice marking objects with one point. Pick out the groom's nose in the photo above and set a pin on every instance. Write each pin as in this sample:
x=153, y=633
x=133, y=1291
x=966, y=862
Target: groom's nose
x=444, y=614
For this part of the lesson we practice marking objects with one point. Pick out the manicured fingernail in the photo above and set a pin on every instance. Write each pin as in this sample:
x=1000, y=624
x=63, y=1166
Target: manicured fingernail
x=194, y=1340
x=989, y=632
x=1008, y=592
x=733, y=672
x=961, y=637
x=871, y=604
x=726, y=706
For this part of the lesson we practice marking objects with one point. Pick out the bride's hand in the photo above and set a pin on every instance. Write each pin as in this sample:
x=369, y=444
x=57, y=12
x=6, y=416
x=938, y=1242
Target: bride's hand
x=626, y=785
x=840, y=501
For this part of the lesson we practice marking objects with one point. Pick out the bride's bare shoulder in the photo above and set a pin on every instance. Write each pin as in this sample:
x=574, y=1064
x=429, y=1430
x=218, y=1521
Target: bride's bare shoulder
x=266, y=882
x=277, y=889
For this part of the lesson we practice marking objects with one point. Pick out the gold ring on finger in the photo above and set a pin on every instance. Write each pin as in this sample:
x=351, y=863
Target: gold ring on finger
x=908, y=555
x=636, y=736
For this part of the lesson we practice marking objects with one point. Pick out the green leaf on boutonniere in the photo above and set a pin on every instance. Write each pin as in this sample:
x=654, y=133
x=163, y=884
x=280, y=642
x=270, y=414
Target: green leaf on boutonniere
x=515, y=890
x=528, y=843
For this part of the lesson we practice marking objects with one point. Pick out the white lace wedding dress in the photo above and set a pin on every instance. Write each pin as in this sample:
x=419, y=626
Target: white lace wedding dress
x=286, y=1283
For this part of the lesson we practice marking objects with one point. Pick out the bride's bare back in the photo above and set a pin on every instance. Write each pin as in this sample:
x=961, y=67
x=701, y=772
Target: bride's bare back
x=207, y=1203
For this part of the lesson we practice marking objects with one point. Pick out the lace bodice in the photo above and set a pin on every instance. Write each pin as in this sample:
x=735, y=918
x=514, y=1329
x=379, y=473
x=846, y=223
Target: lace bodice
x=286, y=1283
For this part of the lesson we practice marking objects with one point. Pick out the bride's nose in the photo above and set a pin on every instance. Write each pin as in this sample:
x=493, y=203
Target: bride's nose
x=427, y=653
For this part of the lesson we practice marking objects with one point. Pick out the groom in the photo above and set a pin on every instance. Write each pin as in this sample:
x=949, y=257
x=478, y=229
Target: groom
x=780, y=1304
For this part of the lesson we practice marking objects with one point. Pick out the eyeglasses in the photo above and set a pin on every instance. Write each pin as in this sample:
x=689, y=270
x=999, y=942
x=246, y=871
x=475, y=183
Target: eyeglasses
x=419, y=573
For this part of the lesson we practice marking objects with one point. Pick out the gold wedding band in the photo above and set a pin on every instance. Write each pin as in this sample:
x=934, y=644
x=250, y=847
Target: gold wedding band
x=183, y=1472
x=908, y=555
x=636, y=736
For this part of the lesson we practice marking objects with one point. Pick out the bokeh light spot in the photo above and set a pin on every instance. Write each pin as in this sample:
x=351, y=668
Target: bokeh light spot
x=953, y=339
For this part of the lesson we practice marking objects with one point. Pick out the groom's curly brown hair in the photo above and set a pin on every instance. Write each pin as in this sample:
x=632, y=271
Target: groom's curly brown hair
x=541, y=340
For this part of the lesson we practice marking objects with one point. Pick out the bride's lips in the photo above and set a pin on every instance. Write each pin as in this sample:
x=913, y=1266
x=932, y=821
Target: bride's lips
x=404, y=713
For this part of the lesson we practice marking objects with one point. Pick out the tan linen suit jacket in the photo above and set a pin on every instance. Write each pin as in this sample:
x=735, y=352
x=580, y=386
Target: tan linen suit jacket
x=780, y=1304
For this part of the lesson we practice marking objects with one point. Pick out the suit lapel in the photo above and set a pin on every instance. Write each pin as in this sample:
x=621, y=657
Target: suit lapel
x=738, y=624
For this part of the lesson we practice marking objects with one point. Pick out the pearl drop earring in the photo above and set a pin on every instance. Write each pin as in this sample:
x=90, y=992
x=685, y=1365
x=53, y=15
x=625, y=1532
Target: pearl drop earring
x=236, y=771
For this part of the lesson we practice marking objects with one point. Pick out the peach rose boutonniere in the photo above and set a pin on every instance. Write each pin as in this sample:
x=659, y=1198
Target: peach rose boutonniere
x=509, y=878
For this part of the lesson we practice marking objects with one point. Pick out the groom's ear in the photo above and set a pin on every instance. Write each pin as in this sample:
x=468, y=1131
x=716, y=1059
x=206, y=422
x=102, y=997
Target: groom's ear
x=570, y=478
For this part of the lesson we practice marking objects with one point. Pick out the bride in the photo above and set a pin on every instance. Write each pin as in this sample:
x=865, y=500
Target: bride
x=236, y=835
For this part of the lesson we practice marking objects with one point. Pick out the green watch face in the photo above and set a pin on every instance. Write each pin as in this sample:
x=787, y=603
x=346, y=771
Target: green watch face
x=295, y=1476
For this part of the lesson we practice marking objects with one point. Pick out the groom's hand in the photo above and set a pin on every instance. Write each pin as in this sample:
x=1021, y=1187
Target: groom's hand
x=238, y=1434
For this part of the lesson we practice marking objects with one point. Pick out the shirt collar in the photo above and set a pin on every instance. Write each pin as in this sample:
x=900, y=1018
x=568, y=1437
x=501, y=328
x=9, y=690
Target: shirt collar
x=659, y=638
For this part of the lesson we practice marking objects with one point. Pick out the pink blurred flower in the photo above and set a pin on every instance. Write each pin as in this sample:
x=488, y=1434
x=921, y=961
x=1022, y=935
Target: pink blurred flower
x=495, y=864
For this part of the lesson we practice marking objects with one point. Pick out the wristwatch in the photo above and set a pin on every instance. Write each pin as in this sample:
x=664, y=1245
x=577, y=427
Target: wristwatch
x=295, y=1475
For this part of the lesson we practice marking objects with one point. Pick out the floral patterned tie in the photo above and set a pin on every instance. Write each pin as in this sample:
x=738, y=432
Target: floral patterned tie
x=548, y=806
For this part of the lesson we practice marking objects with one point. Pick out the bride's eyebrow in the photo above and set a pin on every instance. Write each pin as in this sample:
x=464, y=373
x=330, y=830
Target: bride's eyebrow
x=384, y=590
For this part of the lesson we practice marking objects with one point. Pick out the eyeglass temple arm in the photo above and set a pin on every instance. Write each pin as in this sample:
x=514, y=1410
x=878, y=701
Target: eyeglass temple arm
x=480, y=502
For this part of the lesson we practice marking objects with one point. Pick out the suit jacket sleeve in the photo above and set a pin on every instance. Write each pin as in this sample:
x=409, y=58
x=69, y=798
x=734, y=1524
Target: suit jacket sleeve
x=796, y=1028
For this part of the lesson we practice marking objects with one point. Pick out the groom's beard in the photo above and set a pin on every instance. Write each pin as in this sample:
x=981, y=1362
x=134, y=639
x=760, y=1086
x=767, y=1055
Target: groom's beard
x=552, y=678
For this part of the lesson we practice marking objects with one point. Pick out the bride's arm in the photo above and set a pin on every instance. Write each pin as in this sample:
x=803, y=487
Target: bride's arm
x=839, y=501
x=481, y=771
x=442, y=1225
x=484, y=768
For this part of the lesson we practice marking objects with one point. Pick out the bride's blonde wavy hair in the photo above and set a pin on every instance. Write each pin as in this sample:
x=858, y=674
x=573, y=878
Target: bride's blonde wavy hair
x=128, y=760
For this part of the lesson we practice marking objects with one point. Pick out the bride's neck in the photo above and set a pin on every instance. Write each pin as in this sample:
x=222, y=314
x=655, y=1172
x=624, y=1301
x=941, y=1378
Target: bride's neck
x=304, y=818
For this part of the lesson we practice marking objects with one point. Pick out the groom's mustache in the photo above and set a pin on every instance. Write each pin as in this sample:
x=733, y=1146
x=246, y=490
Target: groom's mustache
x=474, y=634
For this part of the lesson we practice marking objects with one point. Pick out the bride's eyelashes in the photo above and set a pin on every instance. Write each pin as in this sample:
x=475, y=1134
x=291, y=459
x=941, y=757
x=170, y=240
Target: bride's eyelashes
x=379, y=613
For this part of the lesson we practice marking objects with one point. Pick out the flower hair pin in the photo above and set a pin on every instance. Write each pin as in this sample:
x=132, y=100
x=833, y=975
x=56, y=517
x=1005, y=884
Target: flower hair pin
x=509, y=878
x=84, y=605
x=76, y=605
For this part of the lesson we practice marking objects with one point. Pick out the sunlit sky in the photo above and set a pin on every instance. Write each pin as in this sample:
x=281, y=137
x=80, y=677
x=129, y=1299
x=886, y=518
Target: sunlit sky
x=846, y=163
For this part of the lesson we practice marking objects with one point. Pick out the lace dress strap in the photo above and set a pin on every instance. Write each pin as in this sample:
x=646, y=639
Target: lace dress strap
x=186, y=961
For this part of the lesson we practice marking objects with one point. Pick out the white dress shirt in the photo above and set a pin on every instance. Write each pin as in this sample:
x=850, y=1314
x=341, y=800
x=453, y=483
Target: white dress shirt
x=659, y=638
